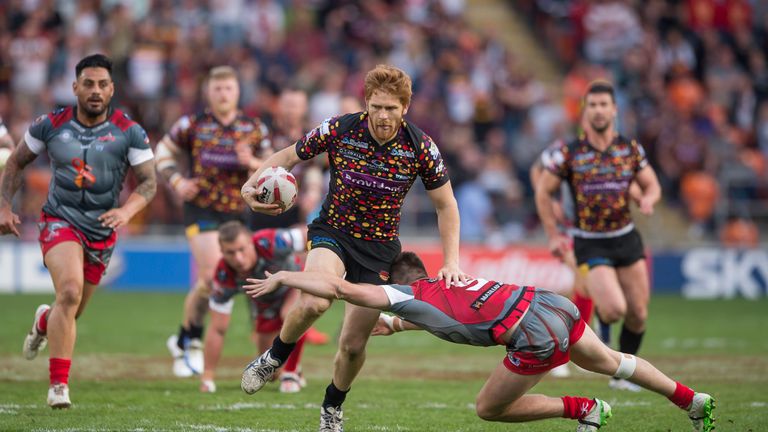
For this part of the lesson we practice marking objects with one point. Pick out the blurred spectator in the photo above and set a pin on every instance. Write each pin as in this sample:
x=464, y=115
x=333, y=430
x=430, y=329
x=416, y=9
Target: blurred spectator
x=740, y=233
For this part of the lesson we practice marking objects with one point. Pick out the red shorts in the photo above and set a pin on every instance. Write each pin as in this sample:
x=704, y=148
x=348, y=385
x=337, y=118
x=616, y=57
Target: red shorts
x=544, y=336
x=268, y=325
x=96, y=253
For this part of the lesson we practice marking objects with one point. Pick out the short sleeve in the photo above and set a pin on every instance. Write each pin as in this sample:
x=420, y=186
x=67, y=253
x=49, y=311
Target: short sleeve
x=38, y=133
x=555, y=159
x=181, y=132
x=139, y=150
x=432, y=168
x=318, y=139
x=640, y=159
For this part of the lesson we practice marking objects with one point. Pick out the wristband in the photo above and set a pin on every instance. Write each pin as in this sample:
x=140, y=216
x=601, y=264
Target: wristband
x=389, y=320
x=175, y=179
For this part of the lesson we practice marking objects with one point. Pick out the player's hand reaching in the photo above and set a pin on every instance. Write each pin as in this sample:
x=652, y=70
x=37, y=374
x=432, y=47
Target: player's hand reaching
x=260, y=287
x=452, y=275
x=115, y=218
x=8, y=222
x=250, y=195
x=382, y=326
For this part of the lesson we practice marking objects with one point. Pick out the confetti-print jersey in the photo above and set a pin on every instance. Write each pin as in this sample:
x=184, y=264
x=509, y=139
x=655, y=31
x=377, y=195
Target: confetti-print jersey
x=599, y=182
x=369, y=180
x=211, y=147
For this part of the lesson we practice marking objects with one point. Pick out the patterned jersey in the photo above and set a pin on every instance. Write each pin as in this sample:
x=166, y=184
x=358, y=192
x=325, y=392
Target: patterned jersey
x=89, y=164
x=477, y=313
x=211, y=147
x=598, y=182
x=275, y=250
x=369, y=181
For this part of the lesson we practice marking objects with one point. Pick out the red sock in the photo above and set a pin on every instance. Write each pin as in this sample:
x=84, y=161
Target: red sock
x=59, y=370
x=292, y=362
x=682, y=397
x=575, y=407
x=584, y=305
x=42, y=323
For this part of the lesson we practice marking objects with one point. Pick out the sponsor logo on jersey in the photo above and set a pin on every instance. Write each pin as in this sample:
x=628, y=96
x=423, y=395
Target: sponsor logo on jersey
x=106, y=138
x=85, y=177
x=402, y=153
x=355, y=143
x=370, y=182
x=384, y=275
x=480, y=301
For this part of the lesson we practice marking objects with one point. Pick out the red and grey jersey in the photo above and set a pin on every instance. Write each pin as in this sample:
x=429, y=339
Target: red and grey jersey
x=211, y=147
x=476, y=313
x=89, y=164
x=598, y=182
x=276, y=250
x=369, y=180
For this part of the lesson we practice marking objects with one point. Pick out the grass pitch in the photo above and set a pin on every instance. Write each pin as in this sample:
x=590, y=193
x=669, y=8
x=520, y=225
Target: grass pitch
x=121, y=376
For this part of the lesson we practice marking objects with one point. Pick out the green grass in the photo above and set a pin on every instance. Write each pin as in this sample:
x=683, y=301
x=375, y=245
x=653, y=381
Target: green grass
x=121, y=376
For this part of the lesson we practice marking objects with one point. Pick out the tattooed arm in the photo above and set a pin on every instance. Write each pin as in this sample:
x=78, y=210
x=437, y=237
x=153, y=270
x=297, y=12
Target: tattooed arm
x=139, y=198
x=11, y=182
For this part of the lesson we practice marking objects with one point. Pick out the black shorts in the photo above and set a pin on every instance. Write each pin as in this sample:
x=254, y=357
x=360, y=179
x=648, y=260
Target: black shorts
x=365, y=261
x=620, y=251
x=198, y=219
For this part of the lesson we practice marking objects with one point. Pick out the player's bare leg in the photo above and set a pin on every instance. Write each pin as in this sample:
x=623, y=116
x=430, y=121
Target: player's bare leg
x=591, y=354
x=65, y=264
x=306, y=310
x=187, y=346
x=637, y=292
x=604, y=288
x=503, y=398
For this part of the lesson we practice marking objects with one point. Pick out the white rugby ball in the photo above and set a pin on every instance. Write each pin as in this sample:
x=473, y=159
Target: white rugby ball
x=277, y=186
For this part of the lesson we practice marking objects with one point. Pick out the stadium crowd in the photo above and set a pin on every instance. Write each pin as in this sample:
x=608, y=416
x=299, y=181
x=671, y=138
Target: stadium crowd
x=693, y=87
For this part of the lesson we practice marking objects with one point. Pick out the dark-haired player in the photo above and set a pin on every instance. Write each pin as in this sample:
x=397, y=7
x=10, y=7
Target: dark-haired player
x=599, y=168
x=374, y=156
x=540, y=330
x=91, y=146
x=246, y=254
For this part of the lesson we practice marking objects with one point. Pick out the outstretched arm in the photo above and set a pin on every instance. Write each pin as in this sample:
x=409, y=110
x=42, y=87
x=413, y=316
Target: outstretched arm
x=448, y=224
x=323, y=285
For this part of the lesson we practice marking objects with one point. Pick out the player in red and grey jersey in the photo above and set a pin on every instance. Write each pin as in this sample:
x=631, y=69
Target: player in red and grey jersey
x=91, y=146
x=222, y=146
x=246, y=254
x=539, y=329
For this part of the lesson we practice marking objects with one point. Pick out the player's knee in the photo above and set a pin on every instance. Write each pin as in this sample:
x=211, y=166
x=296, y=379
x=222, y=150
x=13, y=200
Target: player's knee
x=312, y=306
x=69, y=293
x=489, y=411
x=612, y=313
x=202, y=289
x=636, y=317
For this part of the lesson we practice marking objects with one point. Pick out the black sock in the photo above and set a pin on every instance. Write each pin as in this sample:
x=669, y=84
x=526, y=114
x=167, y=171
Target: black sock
x=333, y=396
x=195, y=332
x=629, y=341
x=281, y=350
x=183, y=337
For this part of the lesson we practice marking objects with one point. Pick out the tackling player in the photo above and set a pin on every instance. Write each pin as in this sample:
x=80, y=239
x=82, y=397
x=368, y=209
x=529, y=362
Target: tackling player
x=91, y=146
x=540, y=330
x=246, y=254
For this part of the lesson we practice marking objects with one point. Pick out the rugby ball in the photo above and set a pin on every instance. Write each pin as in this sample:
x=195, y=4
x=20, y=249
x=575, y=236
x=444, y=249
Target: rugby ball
x=277, y=186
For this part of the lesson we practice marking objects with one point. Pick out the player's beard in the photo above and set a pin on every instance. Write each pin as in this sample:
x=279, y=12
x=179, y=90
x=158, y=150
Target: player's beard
x=600, y=128
x=94, y=112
